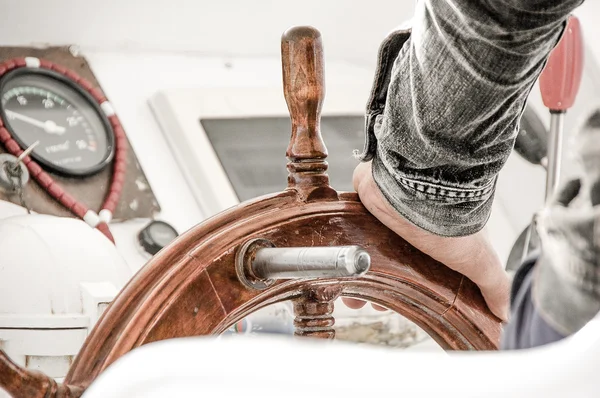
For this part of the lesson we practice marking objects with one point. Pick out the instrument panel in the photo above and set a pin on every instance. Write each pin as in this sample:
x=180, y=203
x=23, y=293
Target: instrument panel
x=75, y=137
x=52, y=105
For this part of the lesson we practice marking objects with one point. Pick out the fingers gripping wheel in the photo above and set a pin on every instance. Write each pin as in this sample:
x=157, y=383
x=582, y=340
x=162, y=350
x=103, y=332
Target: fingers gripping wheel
x=193, y=287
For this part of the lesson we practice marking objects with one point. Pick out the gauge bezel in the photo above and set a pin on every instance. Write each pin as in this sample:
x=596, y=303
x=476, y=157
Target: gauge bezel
x=62, y=79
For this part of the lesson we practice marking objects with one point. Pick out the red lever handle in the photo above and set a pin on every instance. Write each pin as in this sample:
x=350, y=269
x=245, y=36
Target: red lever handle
x=560, y=79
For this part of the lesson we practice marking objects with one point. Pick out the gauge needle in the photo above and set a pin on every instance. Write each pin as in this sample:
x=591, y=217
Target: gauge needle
x=49, y=126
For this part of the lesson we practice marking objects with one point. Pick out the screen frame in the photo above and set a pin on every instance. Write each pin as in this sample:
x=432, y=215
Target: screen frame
x=179, y=112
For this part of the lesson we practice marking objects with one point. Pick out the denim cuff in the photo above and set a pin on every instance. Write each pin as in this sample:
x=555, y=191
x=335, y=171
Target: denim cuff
x=440, y=209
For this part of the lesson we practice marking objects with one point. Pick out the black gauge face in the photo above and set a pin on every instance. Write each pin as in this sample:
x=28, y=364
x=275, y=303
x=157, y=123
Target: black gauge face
x=156, y=235
x=38, y=105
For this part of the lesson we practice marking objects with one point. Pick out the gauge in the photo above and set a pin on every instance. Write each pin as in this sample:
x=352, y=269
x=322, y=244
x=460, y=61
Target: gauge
x=75, y=137
x=156, y=235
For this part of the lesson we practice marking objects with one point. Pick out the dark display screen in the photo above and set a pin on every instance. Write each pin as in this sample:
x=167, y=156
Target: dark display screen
x=252, y=151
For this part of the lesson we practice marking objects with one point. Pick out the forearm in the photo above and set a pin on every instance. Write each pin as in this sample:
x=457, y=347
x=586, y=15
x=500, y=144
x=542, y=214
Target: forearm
x=454, y=99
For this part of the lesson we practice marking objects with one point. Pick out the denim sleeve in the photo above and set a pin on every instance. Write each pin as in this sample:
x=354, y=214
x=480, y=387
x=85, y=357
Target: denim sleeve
x=447, y=99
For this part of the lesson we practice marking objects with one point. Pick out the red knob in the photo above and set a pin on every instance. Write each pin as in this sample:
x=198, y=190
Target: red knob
x=560, y=79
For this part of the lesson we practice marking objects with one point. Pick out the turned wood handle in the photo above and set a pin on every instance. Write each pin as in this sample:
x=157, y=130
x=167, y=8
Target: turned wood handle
x=304, y=90
x=23, y=383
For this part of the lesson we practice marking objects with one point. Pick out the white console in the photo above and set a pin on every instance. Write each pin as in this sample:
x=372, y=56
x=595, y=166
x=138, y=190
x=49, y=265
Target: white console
x=58, y=276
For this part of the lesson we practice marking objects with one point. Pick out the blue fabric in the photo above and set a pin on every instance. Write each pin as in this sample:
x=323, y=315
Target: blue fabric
x=527, y=328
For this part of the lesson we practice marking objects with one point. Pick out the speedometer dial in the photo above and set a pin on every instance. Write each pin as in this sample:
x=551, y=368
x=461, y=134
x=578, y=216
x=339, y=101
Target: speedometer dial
x=39, y=105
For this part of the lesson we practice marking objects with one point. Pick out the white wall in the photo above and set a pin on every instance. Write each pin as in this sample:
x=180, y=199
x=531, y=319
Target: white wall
x=588, y=14
x=351, y=29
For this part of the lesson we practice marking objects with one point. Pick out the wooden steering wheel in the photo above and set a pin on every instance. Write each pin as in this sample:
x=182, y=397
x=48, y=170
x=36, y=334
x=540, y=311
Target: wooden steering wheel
x=192, y=287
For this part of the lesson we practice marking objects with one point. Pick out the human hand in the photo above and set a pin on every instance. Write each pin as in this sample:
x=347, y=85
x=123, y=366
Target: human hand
x=356, y=304
x=472, y=256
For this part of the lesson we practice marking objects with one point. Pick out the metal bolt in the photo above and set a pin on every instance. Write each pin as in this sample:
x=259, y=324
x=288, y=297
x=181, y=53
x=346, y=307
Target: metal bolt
x=259, y=263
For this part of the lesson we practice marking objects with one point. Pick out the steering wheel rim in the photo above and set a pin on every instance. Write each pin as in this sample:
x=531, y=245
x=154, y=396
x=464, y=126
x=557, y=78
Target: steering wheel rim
x=185, y=287
x=192, y=287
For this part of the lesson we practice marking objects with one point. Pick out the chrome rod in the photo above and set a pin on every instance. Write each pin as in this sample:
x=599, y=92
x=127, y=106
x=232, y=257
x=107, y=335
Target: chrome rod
x=554, y=152
x=310, y=262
